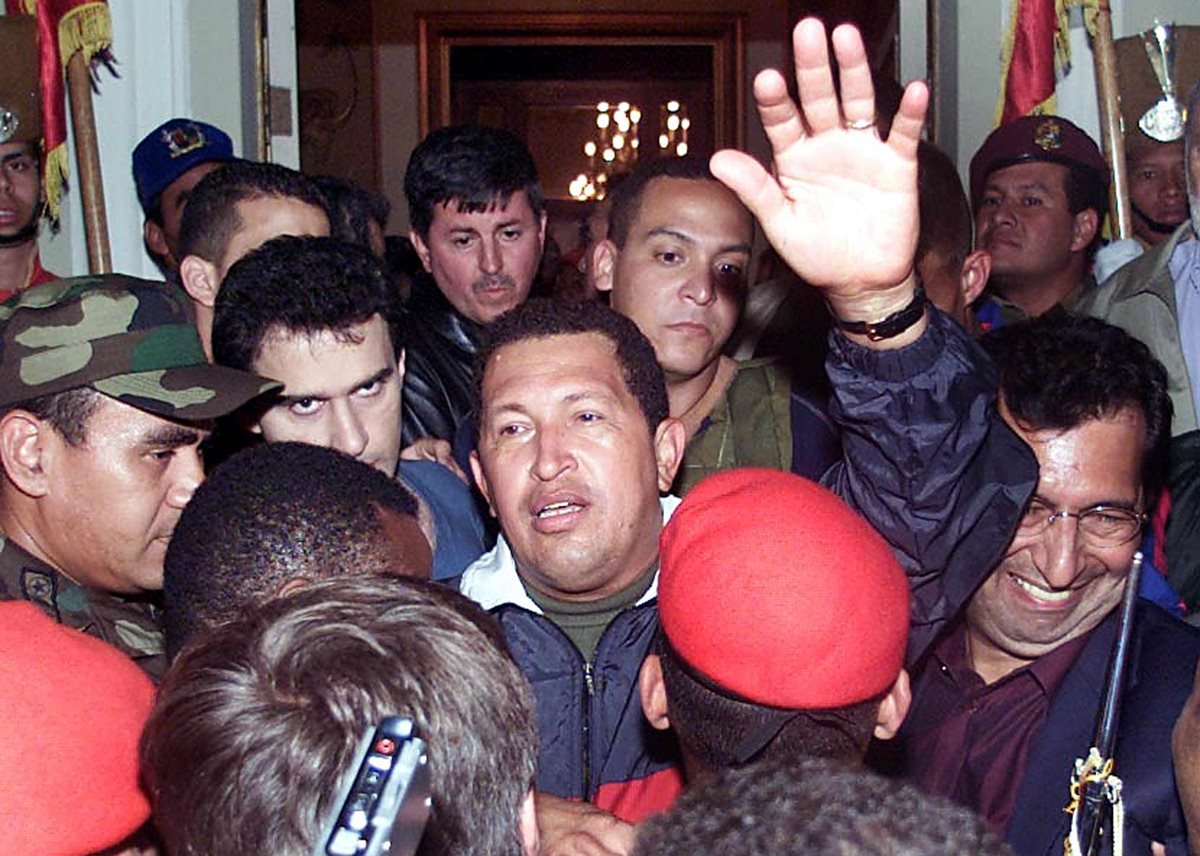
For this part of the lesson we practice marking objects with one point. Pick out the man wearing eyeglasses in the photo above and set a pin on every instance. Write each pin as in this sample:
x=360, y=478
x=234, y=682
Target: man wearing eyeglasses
x=1008, y=697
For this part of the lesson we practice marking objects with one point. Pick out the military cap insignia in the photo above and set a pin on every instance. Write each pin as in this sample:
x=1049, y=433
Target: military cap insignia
x=182, y=139
x=8, y=124
x=1048, y=136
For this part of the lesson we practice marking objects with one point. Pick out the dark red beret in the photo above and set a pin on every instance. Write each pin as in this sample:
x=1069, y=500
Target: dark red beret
x=1035, y=138
x=775, y=590
x=72, y=709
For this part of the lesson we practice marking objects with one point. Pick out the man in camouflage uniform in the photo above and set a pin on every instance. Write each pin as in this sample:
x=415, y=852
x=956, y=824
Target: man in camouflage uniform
x=105, y=396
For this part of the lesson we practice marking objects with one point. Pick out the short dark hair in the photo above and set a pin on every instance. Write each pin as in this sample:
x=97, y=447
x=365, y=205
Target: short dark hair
x=471, y=165
x=67, y=412
x=541, y=318
x=304, y=285
x=352, y=208
x=256, y=725
x=1058, y=371
x=210, y=219
x=945, y=212
x=270, y=514
x=711, y=725
x=627, y=196
x=814, y=808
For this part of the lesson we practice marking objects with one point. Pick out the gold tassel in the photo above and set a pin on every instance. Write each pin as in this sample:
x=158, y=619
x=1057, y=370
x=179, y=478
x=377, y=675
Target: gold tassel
x=86, y=28
x=55, y=178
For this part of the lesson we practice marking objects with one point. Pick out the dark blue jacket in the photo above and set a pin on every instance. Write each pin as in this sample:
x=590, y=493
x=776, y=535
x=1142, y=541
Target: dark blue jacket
x=928, y=461
x=1162, y=662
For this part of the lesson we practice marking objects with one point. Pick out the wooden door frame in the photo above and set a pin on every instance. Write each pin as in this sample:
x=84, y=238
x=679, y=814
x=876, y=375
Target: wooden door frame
x=440, y=32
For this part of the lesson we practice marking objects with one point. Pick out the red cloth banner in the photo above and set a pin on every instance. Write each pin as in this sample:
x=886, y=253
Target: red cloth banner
x=65, y=27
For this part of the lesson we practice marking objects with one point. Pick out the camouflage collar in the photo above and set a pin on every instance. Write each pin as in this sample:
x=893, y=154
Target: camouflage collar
x=132, y=625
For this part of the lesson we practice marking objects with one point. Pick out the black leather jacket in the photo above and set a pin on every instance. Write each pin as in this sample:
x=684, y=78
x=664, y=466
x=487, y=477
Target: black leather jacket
x=440, y=346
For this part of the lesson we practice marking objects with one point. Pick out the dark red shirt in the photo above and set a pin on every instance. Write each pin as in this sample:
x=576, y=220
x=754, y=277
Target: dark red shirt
x=976, y=753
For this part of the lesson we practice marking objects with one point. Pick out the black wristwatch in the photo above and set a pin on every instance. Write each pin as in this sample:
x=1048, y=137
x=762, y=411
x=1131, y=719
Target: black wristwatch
x=893, y=325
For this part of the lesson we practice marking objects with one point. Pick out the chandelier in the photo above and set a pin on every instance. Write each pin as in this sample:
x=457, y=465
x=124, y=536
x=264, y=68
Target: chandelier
x=614, y=149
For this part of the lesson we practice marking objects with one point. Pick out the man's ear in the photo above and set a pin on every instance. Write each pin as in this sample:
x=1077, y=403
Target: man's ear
x=542, y=229
x=604, y=261
x=155, y=238
x=1083, y=229
x=24, y=450
x=422, y=249
x=669, y=441
x=976, y=269
x=653, y=691
x=893, y=708
x=481, y=480
x=531, y=843
x=200, y=280
x=400, y=365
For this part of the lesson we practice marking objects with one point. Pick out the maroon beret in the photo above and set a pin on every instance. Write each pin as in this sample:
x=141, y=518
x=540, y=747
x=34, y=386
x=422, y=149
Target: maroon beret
x=1035, y=138
x=772, y=588
x=72, y=709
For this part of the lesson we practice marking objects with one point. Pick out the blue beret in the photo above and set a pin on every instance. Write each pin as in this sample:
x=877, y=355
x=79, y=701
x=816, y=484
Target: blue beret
x=172, y=149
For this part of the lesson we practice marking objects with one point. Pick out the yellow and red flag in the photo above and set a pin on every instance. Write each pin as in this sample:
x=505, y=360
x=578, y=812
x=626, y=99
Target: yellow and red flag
x=65, y=27
x=1037, y=52
x=1035, y=48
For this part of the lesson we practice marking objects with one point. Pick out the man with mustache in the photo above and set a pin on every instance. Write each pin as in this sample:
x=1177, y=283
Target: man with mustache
x=478, y=226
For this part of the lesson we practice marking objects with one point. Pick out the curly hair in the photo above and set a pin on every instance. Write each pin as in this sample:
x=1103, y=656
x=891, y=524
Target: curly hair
x=304, y=285
x=271, y=514
x=786, y=807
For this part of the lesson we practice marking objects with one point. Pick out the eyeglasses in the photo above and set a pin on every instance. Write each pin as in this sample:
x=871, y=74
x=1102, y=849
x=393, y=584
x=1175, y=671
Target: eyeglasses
x=1099, y=526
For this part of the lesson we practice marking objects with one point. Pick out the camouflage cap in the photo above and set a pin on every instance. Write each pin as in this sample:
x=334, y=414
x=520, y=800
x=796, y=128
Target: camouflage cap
x=127, y=338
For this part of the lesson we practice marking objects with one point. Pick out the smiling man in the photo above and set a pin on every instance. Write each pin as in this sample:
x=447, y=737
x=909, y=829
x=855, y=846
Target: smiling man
x=1009, y=697
x=1039, y=189
x=105, y=397
x=675, y=262
x=478, y=226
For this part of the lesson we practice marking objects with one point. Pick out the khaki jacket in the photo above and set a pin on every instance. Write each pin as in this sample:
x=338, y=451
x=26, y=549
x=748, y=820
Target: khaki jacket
x=1140, y=298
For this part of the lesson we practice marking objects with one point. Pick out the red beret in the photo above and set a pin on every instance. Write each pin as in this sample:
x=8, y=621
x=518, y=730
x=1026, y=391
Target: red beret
x=71, y=713
x=773, y=589
x=1035, y=138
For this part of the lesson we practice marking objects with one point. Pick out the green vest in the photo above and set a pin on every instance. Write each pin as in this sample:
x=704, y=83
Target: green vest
x=750, y=426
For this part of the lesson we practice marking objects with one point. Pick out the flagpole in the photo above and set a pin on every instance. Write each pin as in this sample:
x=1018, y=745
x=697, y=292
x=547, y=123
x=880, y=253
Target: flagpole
x=1111, y=137
x=87, y=160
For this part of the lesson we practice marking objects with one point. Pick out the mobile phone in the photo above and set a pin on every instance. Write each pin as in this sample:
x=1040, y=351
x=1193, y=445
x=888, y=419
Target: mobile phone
x=384, y=801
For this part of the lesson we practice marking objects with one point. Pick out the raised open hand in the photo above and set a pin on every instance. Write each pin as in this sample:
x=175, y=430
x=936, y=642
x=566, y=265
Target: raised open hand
x=841, y=207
